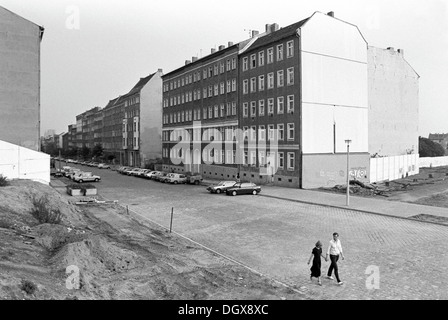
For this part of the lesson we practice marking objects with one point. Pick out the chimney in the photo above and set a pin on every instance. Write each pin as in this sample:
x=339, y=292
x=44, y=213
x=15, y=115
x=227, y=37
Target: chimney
x=193, y=59
x=213, y=50
x=160, y=70
x=230, y=44
x=187, y=62
x=331, y=14
x=274, y=27
x=401, y=51
x=390, y=48
x=254, y=33
x=222, y=47
x=268, y=28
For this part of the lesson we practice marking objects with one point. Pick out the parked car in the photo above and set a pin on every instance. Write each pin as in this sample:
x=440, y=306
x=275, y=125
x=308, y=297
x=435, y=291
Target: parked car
x=65, y=170
x=103, y=166
x=142, y=173
x=85, y=176
x=128, y=171
x=152, y=175
x=160, y=177
x=221, y=186
x=72, y=172
x=194, y=178
x=176, y=178
x=243, y=188
x=135, y=172
x=123, y=169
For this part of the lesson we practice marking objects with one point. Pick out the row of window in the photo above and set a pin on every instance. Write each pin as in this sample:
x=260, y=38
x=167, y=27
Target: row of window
x=217, y=111
x=270, y=106
x=218, y=68
x=268, y=81
x=208, y=92
x=263, y=132
x=249, y=157
x=251, y=62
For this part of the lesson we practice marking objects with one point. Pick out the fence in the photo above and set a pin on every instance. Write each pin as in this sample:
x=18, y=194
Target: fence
x=392, y=168
x=21, y=163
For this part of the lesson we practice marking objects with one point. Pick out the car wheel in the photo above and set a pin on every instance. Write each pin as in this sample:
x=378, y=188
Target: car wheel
x=96, y=180
x=81, y=181
x=218, y=191
x=196, y=182
x=254, y=192
x=175, y=182
x=233, y=193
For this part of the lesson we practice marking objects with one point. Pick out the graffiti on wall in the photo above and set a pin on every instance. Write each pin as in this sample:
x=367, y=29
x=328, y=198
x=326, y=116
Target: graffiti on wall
x=358, y=173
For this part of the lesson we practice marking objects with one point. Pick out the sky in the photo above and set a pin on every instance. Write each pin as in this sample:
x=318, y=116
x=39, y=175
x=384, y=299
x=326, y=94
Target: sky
x=96, y=50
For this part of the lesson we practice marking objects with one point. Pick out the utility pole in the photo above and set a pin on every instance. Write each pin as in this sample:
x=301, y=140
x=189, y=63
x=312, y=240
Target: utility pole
x=348, y=170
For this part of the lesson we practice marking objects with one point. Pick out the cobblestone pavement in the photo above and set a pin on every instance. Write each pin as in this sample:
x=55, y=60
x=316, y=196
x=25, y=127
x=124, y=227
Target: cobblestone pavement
x=275, y=237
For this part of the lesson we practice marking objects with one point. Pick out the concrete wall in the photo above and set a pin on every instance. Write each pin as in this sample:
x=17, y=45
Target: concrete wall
x=151, y=119
x=331, y=169
x=21, y=163
x=392, y=168
x=433, y=162
x=393, y=103
x=19, y=80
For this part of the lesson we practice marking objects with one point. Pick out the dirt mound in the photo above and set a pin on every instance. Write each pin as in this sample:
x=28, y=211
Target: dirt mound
x=16, y=202
x=52, y=237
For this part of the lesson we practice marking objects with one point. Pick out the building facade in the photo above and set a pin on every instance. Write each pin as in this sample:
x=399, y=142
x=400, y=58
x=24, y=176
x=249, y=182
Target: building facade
x=20, y=42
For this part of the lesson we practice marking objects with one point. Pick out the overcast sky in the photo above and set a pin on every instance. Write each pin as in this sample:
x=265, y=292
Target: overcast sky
x=88, y=61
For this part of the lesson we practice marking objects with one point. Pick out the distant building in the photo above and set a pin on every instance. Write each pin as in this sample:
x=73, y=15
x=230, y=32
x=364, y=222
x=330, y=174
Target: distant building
x=20, y=42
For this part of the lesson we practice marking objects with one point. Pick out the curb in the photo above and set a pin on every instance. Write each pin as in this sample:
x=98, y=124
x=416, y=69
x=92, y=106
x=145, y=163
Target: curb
x=352, y=209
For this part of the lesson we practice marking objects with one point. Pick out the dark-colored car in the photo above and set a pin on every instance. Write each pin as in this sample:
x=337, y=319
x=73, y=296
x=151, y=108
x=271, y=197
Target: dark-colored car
x=243, y=188
x=221, y=186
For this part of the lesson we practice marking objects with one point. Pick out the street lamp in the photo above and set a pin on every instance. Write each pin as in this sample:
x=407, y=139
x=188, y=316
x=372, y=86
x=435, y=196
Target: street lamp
x=348, y=170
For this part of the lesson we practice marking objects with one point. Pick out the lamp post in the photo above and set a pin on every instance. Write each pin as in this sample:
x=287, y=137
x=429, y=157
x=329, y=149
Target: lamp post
x=348, y=170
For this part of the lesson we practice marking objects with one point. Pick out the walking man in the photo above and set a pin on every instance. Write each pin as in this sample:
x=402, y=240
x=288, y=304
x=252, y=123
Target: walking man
x=334, y=250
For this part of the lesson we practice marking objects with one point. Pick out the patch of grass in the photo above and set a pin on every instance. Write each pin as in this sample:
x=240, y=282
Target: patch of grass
x=3, y=181
x=28, y=286
x=43, y=212
x=5, y=224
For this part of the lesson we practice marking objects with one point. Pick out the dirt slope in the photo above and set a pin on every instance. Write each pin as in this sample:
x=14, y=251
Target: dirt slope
x=117, y=256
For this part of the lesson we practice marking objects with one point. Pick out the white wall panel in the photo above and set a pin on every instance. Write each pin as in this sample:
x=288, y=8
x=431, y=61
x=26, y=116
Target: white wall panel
x=351, y=123
x=317, y=128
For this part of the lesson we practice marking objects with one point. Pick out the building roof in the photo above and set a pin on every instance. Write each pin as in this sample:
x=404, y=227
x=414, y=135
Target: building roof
x=140, y=84
x=41, y=28
x=438, y=136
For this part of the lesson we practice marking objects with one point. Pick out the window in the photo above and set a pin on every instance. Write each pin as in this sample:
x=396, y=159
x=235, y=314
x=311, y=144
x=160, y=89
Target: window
x=233, y=108
x=222, y=67
x=261, y=83
x=210, y=91
x=280, y=78
x=245, y=133
x=253, y=84
x=290, y=76
x=245, y=109
x=290, y=104
x=245, y=63
x=183, y=116
x=261, y=58
x=222, y=88
x=233, y=85
x=216, y=87
x=290, y=131
x=216, y=70
x=199, y=94
x=262, y=133
x=253, y=61
x=270, y=132
x=280, y=105
x=229, y=157
x=271, y=106
x=245, y=86
x=261, y=107
x=253, y=158
x=281, y=131
x=291, y=160
x=228, y=109
x=280, y=52
x=195, y=96
x=229, y=86
x=199, y=114
x=228, y=64
x=281, y=160
x=221, y=114
x=245, y=158
x=253, y=133
x=270, y=80
x=210, y=72
x=216, y=111
x=289, y=49
x=270, y=55
x=253, y=108
x=233, y=63
x=210, y=112
x=204, y=74
x=204, y=113
x=262, y=158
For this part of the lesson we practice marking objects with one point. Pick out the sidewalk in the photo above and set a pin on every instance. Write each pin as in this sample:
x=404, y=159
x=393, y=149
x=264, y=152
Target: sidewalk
x=370, y=205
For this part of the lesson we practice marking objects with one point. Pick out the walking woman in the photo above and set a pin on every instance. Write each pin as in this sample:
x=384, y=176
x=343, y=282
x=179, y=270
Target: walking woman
x=315, y=268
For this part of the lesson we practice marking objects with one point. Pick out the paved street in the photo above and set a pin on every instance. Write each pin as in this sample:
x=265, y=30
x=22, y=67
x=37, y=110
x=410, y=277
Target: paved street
x=275, y=237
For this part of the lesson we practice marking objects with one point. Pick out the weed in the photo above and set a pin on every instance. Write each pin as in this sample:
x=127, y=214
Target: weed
x=3, y=181
x=43, y=212
x=28, y=286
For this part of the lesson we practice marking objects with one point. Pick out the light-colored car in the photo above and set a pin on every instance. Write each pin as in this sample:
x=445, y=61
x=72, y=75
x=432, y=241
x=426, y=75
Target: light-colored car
x=221, y=186
x=142, y=174
x=71, y=173
x=103, y=166
x=151, y=174
x=176, y=178
x=86, y=177
x=134, y=172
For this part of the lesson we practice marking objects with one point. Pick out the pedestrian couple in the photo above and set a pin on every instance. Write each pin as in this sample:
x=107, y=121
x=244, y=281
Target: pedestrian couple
x=334, y=251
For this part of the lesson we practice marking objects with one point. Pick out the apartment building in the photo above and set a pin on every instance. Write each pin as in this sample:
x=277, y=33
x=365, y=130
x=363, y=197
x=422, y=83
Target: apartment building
x=200, y=108
x=112, y=131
